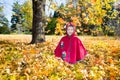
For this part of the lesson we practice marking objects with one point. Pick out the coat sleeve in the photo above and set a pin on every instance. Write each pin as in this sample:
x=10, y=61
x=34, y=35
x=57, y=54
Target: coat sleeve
x=81, y=51
x=57, y=51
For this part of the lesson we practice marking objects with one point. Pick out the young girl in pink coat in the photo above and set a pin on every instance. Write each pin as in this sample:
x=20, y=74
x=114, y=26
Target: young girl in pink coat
x=70, y=47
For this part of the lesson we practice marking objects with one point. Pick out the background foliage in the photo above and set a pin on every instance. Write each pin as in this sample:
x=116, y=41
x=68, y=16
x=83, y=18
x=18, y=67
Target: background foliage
x=22, y=17
x=93, y=17
x=3, y=23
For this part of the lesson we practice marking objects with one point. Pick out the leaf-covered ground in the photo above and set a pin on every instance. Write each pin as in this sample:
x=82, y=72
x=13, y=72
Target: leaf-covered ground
x=21, y=61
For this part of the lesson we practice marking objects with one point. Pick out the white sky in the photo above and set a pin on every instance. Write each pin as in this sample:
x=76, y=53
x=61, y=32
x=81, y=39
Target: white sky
x=8, y=7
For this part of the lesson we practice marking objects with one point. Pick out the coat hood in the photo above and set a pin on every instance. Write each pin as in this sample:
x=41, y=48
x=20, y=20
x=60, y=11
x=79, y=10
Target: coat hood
x=73, y=25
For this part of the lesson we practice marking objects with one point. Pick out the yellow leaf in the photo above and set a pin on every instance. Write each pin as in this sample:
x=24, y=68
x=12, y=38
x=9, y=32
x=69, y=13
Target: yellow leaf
x=108, y=6
x=33, y=51
x=53, y=6
x=86, y=20
x=60, y=20
x=12, y=77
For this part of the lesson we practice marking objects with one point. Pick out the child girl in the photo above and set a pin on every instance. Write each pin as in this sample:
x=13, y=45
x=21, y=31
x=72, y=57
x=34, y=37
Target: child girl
x=70, y=47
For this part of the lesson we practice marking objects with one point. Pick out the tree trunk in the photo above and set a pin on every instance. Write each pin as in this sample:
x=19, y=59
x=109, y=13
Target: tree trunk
x=117, y=28
x=38, y=25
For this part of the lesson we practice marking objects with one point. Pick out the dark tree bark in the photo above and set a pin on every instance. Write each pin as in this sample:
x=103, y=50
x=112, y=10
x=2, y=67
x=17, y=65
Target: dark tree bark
x=38, y=33
x=117, y=28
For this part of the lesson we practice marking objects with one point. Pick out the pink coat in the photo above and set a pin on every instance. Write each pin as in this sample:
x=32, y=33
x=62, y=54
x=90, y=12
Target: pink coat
x=70, y=49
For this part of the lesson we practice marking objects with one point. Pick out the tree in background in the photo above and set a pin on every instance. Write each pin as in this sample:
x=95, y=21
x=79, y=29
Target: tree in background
x=4, y=29
x=117, y=29
x=1, y=8
x=53, y=23
x=26, y=10
x=50, y=29
x=109, y=20
x=17, y=18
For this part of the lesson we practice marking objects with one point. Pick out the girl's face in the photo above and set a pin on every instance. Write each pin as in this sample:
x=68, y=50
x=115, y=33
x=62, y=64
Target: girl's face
x=70, y=30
